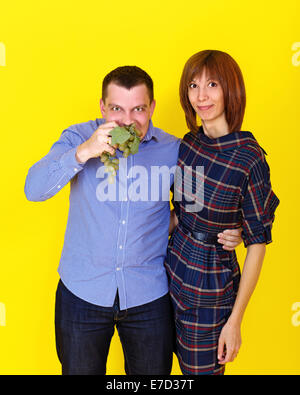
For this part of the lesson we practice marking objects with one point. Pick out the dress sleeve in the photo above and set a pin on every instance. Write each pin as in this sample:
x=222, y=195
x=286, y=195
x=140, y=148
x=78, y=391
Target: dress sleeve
x=258, y=205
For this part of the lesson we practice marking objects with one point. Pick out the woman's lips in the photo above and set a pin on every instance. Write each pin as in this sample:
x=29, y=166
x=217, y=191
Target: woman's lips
x=204, y=108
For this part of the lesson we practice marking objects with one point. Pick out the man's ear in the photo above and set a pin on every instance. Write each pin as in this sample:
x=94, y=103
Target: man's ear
x=152, y=107
x=102, y=108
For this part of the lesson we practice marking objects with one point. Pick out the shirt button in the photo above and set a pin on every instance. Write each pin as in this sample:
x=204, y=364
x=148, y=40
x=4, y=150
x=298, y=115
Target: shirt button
x=118, y=268
x=120, y=247
x=123, y=222
x=58, y=186
x=75, y=169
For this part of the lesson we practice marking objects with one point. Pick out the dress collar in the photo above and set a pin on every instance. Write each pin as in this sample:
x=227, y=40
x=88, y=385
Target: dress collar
x=228, y=142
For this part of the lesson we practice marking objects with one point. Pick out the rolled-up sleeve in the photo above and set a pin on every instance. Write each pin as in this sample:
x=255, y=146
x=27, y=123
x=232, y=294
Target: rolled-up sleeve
x=258, y=206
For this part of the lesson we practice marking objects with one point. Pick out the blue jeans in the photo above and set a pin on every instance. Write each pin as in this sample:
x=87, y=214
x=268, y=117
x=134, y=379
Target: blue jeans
x=84, y=331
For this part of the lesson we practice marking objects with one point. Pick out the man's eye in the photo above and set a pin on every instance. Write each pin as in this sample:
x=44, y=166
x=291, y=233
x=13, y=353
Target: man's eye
x=115, y=108
x=139, y=109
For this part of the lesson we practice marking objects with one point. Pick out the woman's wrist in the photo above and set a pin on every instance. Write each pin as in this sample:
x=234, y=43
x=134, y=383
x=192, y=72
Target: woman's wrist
x=235, y=319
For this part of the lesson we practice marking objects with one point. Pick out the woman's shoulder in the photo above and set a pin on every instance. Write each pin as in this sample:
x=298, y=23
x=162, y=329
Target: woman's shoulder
x=188, y=140
x=252, y=153
x=188, y=136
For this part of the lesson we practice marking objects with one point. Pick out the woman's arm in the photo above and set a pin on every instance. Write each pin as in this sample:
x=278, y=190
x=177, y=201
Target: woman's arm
x=173, y=222
x=231, y=333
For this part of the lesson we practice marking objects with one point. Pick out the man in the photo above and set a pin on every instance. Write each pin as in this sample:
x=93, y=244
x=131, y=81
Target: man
x=112, y=264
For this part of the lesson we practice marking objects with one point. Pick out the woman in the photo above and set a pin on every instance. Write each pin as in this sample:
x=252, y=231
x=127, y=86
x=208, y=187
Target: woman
x=208, y=293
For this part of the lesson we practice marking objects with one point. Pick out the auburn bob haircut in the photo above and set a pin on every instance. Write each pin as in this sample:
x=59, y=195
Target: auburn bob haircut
x=223, y=68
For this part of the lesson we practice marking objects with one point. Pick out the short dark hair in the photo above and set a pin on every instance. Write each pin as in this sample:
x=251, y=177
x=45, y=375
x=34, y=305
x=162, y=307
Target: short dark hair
x=128, y=77
x=224, y=68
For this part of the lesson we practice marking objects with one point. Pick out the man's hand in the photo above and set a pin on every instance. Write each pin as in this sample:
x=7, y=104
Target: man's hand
x=230, y=238
x=98, y=143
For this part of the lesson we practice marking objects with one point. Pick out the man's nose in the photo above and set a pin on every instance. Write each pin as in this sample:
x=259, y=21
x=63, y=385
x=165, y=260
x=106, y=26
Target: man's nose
x=126, y=120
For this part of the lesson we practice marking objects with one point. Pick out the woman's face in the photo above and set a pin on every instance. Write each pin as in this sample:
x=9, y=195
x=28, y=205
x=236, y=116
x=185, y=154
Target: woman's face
x=206, y=97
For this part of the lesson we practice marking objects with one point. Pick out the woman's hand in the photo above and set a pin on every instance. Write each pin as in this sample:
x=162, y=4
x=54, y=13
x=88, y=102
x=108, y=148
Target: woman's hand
x=229, y=342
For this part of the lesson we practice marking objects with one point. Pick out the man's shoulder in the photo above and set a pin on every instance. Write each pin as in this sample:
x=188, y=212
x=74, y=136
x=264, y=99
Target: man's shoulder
x=166, y=137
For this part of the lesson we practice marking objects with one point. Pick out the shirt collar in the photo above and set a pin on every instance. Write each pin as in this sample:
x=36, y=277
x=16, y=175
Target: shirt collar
x=151, y=133
x=228, y=142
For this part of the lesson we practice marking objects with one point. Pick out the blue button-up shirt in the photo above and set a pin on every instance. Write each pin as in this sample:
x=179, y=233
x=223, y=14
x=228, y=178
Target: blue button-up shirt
x=117, y=234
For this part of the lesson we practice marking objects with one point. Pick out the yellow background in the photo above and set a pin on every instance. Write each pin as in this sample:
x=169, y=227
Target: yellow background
x=56, y=55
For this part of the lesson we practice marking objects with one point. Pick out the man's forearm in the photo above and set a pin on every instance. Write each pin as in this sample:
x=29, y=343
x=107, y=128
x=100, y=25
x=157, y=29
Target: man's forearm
x=82, y=154
x=51, y=173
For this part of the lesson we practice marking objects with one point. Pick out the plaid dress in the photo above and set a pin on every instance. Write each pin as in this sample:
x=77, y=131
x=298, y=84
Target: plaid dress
x=204, y=278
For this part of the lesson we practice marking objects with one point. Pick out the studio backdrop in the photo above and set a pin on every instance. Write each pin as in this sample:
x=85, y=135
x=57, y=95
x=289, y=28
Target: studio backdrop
x=53, y=57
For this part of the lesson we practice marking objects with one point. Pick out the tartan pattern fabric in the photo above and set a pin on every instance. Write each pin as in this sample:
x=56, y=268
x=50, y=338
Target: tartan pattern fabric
x=204, y=278
x=198, y=332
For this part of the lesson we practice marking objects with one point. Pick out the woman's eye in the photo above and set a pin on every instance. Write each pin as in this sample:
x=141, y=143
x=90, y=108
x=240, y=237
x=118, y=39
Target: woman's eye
x=212, y=84
x=192, y=85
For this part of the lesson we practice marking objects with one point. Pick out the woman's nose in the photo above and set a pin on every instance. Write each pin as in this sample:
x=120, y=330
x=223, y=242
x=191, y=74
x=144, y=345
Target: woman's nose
x=202, y=95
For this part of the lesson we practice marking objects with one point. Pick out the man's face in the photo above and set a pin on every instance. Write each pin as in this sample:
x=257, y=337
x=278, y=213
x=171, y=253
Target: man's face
x=127, y=106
